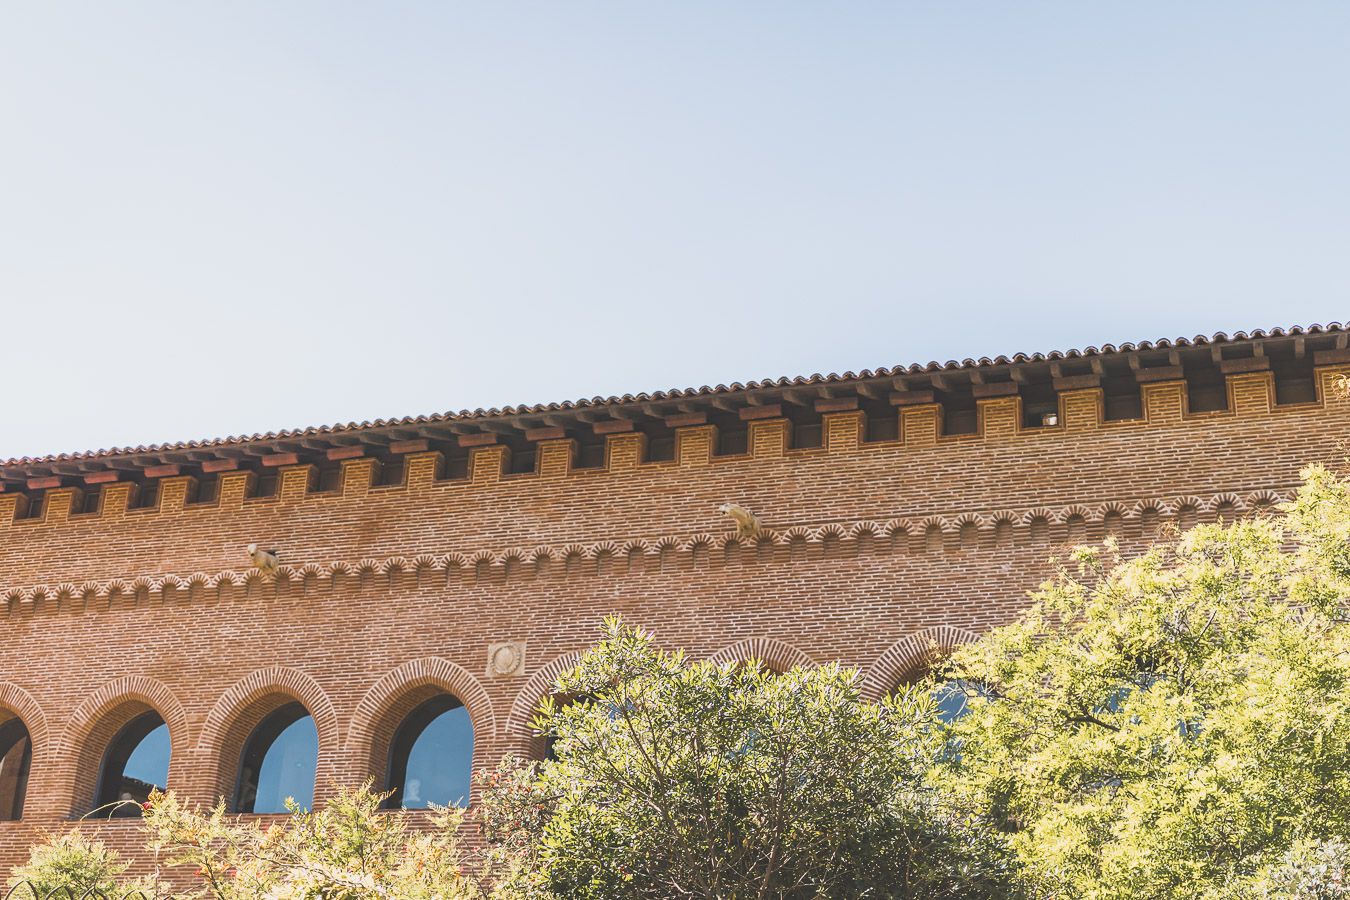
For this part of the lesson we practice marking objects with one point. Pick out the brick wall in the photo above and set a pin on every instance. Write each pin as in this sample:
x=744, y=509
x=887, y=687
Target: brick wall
x=875, y=553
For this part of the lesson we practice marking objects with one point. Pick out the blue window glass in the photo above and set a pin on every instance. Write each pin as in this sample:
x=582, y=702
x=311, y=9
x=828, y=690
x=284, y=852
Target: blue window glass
x=279, y=762
x=431, y=759
x=16, y=755
x=136, y=763
x=951, y=699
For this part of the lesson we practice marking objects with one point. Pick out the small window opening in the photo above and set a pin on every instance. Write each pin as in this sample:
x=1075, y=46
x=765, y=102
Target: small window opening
x=522, y=457
x=30, y=505
x=881, y=421
x=589, y=452
x=1040, y=405
x=1122, y=399
x=326, y=478
x=959, y=413
x=660, y=443
x=1206, y=389
x=263, y=484
x=144, y=494
x=1295, y=380
x=203, y=490
x=454, y=464
x=390, y=472
x=88, y=501
x=807, y=428
x=733, y=435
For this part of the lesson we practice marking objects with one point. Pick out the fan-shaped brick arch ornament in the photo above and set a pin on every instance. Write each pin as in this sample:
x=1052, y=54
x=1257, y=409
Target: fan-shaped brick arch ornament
x=909, y=655
x=775, y=654
x=539, y=686
x=139, y=688
x=259, y=684
x=430, y=671
x=16, y=700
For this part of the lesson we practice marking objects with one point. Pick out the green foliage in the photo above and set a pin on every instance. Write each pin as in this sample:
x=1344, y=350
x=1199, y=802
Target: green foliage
x=349, y=850
x=1171, y=725
x=70, y=861
x=691, y=779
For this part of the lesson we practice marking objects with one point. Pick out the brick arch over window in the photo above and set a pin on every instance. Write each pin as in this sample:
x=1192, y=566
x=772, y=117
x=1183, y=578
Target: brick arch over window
x=910, y=656
x=775, y=654
x=393, y=697
x=16, y=702
x=243, y=707
x=101, y=716
x=539, y=686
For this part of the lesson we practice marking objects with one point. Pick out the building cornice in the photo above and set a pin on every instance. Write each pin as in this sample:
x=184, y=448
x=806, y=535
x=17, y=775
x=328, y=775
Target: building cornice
x=900, y=385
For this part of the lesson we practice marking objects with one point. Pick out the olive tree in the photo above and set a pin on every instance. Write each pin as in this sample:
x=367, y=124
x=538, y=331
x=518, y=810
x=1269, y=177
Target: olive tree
x=675, y=778
x=1170, y=725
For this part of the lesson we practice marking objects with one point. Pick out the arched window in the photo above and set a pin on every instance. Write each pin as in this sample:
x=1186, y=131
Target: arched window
x=279, y=761
x=136, y=762
x=16, y=755
x=431, y=758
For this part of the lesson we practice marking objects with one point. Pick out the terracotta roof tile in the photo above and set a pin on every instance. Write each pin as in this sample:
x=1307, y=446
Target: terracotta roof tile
x=685, y=393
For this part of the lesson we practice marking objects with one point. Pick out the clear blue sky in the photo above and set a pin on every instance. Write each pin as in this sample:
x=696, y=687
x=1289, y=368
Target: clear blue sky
x=238, y=216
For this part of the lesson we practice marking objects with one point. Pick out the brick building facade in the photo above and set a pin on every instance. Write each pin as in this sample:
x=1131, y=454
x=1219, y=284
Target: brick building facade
x=475, y=554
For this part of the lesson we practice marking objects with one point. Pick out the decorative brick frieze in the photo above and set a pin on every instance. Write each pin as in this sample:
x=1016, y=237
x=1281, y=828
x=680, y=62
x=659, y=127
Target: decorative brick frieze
x=54, y=598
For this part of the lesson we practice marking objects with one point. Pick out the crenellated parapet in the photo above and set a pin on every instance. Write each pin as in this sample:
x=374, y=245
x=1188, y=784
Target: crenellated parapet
x=950, y=408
